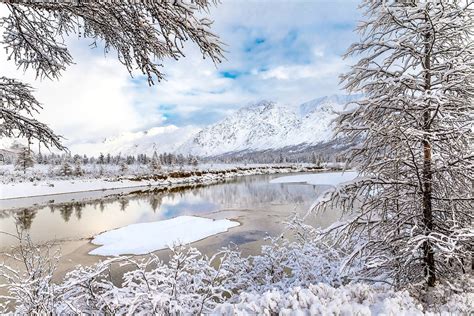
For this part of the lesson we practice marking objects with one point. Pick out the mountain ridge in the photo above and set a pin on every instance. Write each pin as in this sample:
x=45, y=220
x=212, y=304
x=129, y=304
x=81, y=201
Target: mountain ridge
x=267, y=125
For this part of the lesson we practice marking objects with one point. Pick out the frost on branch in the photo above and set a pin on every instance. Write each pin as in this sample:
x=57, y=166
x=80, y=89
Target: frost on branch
x=17, y=107
x=140, y=32
x=308, y=280
x=413, y=203
x=29, y=288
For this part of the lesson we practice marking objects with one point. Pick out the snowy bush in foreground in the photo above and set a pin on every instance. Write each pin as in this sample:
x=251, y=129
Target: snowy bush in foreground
x=299, y=259
x=299, y=276
x=32, y=289
x=323, y=299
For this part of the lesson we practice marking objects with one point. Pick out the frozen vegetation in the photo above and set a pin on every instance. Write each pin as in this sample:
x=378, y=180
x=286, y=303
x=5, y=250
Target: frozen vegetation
x=307, y=275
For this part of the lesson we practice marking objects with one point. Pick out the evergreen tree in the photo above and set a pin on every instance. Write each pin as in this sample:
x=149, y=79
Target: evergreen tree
x=65, y=169
x=155, y=163
x=130, y=160
x=180, y=160
x=194, y=161
x=413, y=203
x=78, y=171
x=101, y=159
x=24, y=160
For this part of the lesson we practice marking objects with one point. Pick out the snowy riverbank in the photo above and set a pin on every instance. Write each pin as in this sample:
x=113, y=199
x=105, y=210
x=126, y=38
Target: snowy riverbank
x=33, y=187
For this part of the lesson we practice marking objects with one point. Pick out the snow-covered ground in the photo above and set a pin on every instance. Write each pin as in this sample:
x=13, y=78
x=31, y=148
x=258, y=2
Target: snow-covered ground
x=326, y=178
x=352, y=299
x=143, y=238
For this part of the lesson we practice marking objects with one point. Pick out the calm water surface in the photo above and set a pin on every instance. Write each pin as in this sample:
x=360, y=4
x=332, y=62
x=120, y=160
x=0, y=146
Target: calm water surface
x=77, y=220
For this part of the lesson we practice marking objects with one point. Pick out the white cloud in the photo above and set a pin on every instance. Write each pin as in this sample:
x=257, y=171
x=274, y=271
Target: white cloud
x=297, y=61
x=92, y=99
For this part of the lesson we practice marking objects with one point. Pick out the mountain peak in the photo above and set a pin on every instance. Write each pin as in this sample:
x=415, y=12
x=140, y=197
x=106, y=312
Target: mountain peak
x=268, y=125
x=335, y=102
x=261, y=105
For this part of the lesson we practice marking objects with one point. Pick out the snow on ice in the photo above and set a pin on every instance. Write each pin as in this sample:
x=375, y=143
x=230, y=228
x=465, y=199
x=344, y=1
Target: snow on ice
x=323, y=178
x=143, y=238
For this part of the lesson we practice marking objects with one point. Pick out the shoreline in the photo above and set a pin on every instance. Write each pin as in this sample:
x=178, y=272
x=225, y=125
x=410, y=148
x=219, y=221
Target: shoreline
x=104, y=188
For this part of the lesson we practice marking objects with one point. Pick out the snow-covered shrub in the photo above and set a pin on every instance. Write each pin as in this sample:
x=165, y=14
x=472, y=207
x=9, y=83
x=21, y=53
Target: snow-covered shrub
x=323, y=299
x=30, y=289
x=88, y=290
x=299, y=258
x=294, y=274
x=188, y=284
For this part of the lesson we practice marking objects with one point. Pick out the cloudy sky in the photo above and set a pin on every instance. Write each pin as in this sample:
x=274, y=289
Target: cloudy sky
x=288, y=51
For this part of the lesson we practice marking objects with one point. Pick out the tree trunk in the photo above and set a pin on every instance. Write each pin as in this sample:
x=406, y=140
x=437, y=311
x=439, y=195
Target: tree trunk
x=428, y=254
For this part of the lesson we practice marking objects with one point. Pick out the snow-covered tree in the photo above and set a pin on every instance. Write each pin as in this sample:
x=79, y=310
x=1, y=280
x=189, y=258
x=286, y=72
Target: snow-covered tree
x=78, y=171
x=289, y=277
x=30, y=289
x=123, y=167
x=101, y=159
x=155, y=163
x=24, y=160
x=141, y=33
x=413, y=201
x=65, y=169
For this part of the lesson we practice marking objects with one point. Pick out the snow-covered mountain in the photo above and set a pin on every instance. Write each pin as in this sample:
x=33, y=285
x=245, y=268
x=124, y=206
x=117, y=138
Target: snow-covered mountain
x=267, y=125
x=258, y=127
x=160, y=139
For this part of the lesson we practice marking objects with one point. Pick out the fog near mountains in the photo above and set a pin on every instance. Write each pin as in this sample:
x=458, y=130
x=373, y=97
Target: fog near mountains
x=263, y=126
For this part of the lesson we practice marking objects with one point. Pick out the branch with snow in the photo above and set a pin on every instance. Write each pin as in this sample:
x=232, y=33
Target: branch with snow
x=413, y=202
x=17, y=107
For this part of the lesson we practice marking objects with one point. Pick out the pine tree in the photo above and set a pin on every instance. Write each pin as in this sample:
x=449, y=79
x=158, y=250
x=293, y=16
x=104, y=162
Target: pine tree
x=155, y=163
x=40, y=159
x=24, y=160
x=65, y=169
x=101, y=159
x=413, y=202
x=78, y=166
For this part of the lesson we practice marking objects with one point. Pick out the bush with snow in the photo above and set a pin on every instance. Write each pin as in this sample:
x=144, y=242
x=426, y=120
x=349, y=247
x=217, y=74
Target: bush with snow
x=302, y=275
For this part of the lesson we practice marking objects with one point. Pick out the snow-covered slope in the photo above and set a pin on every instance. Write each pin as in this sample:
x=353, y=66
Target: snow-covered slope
x=267, y=125
x=261, y=126
x=160, y=139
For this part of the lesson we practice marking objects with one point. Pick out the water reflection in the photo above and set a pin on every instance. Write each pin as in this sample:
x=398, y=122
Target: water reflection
x=78, y=220
x=24, y=218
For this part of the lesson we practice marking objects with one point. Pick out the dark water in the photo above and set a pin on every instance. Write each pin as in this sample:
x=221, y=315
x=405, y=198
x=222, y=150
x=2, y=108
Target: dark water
x=76, y=220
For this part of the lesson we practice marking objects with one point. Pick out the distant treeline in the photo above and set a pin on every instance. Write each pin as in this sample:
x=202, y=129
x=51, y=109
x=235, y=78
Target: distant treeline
x=102, y=159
